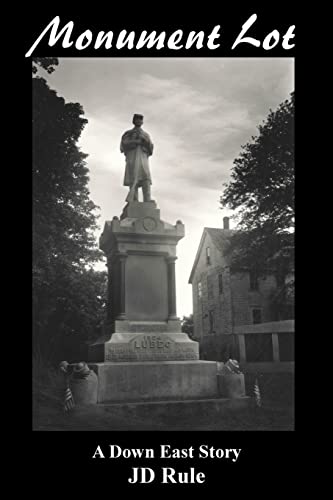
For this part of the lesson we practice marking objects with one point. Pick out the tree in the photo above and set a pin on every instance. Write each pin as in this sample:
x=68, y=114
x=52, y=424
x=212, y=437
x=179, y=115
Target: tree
x=187, y=325
x=65, y=286
x=262, y=191
x=47, y=63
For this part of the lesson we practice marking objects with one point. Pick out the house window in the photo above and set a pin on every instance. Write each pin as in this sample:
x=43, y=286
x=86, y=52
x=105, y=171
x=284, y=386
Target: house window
x=254, y=283
x=208, y=256
x=211, y=322
x=200, y=290
x=210, y=287
x=220, y=284
x=256, y=316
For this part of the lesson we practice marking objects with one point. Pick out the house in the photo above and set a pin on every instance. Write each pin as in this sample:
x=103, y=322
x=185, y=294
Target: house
x=225, y=297
x=240, y=315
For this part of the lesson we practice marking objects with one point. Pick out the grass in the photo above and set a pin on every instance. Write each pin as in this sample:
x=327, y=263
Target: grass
x=48, y=414
x=107, y=417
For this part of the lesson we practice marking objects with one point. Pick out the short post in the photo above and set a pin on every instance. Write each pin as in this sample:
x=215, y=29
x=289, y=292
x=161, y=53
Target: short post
x=242, y=349
x=275, y=345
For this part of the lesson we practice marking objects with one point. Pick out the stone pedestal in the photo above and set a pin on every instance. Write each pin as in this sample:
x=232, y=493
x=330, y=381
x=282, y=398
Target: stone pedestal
x=231, y=386
x=142, y=323
x=144, y=356
x=153, y=345
x=85, y=390
x=155, y=381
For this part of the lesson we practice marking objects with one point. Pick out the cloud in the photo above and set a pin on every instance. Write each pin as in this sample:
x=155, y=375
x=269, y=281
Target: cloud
x=198, y=112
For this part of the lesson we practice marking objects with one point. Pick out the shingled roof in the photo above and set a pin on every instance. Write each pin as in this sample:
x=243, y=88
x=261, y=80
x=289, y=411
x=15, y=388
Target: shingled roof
x=220, y=238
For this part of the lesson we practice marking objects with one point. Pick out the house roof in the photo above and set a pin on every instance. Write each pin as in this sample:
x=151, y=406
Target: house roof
x=220, y=238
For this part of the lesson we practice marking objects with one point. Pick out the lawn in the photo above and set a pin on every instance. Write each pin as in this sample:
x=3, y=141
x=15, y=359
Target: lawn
x=50, y=417
x=48, y=414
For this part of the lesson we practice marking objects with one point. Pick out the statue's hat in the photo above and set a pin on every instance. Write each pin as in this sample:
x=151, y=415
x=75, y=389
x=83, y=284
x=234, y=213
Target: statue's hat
x=137, y=116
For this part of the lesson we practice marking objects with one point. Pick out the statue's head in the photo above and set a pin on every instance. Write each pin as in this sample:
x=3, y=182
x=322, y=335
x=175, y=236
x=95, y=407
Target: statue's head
x=138, y=120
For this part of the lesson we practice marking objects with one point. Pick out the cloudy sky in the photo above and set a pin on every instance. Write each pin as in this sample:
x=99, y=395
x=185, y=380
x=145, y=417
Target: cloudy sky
x=198, y=113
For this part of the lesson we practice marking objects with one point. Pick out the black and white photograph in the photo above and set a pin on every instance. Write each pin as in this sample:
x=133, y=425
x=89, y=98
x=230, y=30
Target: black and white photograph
x=163, y=243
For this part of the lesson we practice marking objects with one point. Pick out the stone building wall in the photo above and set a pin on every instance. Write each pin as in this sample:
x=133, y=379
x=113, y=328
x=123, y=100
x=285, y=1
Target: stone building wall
x=245, y=300
x=225, y=299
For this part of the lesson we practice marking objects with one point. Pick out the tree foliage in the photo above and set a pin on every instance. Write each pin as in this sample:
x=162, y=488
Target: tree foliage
x=187, y=325
x=46, y=63
x=67, y=292
x=261, y=190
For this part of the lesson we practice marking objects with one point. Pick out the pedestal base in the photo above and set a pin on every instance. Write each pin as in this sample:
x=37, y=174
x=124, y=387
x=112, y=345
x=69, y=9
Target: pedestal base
x=149, y=381
x=144, y=341
x=231, y=386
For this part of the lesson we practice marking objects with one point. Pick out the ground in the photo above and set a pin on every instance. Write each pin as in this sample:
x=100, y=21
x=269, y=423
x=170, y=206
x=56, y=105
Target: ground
x=104, y=418
x=48, y=414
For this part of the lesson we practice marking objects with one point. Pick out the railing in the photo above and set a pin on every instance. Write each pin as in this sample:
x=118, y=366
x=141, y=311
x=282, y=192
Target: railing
x=266, y=346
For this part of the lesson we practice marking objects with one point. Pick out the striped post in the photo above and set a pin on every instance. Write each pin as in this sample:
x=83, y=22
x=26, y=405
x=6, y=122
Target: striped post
x=256, y=392
x=68, y=403
x=68, y=400
x=78, y=370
